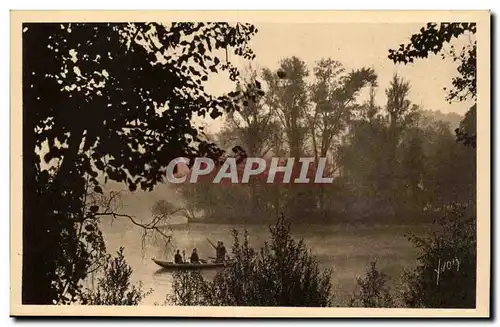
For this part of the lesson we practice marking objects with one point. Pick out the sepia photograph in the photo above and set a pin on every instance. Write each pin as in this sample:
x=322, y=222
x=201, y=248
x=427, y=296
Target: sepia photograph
x=250, y=164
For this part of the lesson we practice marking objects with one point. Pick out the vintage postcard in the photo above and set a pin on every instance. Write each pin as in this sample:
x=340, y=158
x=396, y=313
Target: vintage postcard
x=250, y=164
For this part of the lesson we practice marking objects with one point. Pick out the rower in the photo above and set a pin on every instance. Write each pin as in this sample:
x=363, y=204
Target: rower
x=217, y=253
x=222, y=252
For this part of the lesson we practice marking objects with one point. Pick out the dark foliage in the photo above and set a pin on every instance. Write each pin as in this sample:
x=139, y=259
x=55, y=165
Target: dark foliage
x=466, y=132
x=82, y=249
x=109, y=101
x=432, y=39
x=454, y=246
x=189, y=288
x=114, y=287
x=282, y=273
x=372, y=291
x=456, y=285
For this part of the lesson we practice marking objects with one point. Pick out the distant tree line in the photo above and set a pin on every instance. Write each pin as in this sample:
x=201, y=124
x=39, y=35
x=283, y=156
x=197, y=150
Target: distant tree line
x=391, y=162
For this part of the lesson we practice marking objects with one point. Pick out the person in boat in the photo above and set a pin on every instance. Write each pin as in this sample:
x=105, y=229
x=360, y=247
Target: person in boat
x=194, y=257
x=220, y=251
x=217, y=253
x=178, y=257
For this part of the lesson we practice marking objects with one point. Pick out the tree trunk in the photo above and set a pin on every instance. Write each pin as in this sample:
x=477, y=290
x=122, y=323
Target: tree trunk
x=36, y=282
x=41, y=231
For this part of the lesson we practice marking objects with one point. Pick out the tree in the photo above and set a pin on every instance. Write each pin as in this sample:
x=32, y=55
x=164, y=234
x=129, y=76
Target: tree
x=401, y=113
x=253, y=125
x=362, y=158
x=113, y=287
x=189, y=288
x=412, y=168
x=382, y=155
x=450, y=174
x=466, y=132
x=81, y=250
x=458, y=237
x=287, y=98
x=113, y=101
x=372, y=291
x=334, y=95
x=451, y=253
x=254, y=128
x=432, y=39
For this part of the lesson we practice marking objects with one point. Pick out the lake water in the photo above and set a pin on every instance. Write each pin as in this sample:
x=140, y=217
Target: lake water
x=345, y=249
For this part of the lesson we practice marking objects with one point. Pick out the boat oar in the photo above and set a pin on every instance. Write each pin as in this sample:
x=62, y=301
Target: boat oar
x=212, y=244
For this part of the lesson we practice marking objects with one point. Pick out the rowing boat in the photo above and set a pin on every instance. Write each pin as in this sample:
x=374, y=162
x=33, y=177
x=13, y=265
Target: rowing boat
x=172, y=265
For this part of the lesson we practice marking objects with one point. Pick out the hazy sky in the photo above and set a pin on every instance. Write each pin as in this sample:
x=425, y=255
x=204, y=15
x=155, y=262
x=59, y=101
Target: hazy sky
x=355, y=46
